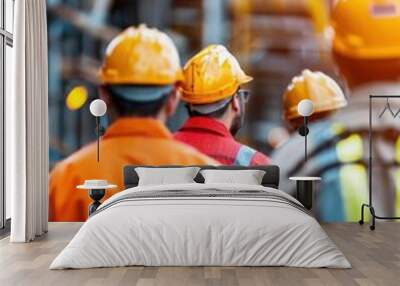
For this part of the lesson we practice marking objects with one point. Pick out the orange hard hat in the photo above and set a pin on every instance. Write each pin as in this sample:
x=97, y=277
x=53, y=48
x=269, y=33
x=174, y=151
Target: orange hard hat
x=367, y=28
x=212, y=75
x=323, y=91
x=141, y=56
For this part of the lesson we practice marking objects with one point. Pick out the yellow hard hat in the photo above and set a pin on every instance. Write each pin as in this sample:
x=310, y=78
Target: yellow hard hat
x=141, y=56
x=367, y=28
x=212, y=75
x=322, y=90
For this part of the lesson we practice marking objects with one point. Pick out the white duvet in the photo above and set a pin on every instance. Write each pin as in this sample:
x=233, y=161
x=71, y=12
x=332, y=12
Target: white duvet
x=190, y=230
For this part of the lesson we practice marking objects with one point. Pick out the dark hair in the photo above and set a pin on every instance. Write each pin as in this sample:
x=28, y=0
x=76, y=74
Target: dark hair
x=215, y=114
x=125, y=108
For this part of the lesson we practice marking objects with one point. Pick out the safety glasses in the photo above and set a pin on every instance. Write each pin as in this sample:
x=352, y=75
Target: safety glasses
x=244, y=94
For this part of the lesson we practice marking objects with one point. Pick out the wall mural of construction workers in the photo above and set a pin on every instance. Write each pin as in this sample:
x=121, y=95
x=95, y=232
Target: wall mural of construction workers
x=139, y=79
x=216, y=106
x=366, y=49
x=142, y=81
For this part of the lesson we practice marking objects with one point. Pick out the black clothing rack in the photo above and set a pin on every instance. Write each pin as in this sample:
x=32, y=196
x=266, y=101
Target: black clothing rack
x=370, y=205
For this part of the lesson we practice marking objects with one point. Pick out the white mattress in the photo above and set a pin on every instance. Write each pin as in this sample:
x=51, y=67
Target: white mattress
x=189, y=231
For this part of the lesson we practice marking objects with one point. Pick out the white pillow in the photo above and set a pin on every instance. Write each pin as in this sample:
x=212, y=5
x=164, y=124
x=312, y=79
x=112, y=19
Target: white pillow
x=248, y=177
x=163, y=176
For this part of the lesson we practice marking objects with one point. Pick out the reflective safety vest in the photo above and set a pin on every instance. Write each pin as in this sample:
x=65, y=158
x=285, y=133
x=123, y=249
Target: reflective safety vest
x=340, y=157
x=212, y=138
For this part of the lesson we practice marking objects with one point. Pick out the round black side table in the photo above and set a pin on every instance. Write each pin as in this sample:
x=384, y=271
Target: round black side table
x=305, y=190
x=96, y=193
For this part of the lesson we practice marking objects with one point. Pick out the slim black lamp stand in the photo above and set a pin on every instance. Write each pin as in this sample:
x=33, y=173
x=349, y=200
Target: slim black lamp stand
x=98, y=108
x=305, y=137
x=303, y=131
x=305, y=108
x=98, y=137
x=370, y=202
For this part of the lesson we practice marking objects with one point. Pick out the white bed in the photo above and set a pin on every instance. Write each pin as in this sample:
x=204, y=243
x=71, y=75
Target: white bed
x=201, y=224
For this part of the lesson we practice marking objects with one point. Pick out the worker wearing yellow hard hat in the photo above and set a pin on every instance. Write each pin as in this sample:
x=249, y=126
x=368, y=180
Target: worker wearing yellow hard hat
x=212, y=90
x=139, y=81
x=366, y=43
x=321, y=89
x=366, y=49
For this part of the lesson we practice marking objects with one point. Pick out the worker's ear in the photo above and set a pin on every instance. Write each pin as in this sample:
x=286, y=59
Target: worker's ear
x=236, y=104
x=172, y=102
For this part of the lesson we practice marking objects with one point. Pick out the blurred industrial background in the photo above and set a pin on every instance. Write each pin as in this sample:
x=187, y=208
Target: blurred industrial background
x=273, y=40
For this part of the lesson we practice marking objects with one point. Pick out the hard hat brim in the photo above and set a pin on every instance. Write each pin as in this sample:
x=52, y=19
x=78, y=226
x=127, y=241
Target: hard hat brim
x=140, y=93
x=209, y=108
x=366, y=52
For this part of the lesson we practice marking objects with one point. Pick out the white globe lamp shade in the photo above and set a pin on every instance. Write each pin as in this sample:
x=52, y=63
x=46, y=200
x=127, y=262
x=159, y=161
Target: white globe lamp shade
x=98, y=107
x=305, y=107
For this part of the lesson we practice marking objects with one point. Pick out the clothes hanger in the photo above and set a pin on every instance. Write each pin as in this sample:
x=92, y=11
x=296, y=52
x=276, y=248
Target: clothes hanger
x=388, y=107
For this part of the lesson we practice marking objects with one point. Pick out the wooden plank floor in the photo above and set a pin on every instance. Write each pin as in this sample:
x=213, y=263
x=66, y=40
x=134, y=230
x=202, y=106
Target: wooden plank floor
x=375, y=257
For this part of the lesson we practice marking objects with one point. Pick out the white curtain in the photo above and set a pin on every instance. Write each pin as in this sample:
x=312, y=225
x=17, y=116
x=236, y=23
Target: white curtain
x=26, y=124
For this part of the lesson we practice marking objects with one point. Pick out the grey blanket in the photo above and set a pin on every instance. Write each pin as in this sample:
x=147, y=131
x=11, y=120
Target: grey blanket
x=202, y=194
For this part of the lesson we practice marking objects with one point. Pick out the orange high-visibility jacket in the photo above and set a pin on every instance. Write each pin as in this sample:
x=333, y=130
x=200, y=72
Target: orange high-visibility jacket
x=128, y=141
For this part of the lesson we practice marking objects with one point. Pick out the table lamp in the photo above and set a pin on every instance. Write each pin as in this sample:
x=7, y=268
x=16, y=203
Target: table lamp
x=305, y=108
x=98, y=108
